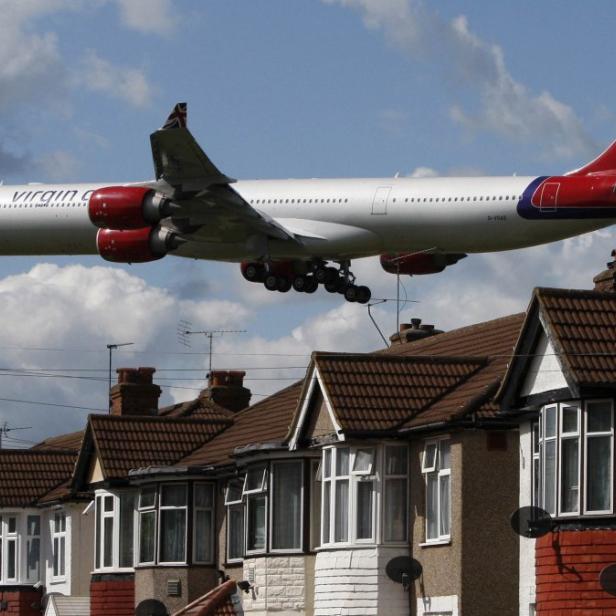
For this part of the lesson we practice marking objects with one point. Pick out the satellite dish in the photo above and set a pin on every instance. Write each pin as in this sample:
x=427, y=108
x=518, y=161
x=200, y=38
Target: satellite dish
x=531, y=522
x=151, y=607
x=403, y=568
x=607, y=579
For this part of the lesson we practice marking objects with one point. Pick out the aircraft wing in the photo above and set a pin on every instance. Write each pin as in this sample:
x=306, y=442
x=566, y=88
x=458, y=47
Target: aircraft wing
x=202, y=189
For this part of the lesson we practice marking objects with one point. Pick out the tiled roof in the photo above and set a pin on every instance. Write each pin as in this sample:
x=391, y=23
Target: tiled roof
x=582, y=326
x=26, y=475
x=217, y=602
x=68, y=442
x=126, y=443
x=370, y=392
x=267, y=421
x=201, y=407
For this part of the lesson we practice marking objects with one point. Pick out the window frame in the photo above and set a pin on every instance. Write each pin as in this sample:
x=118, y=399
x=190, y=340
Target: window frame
x=100, y=534
x=212, y=510
x=562, y=436
x=28, y=540
x=143, y=510
x=439, y=472
x=61, y=536
x=161, y=508
x=272, y=502
x=239, y=507
x=395, y=476
x=7, y=537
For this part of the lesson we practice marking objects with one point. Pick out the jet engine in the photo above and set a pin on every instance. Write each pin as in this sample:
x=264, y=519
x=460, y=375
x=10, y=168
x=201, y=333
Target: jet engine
x=417, y=263
x=134, y=245
x=127, y=207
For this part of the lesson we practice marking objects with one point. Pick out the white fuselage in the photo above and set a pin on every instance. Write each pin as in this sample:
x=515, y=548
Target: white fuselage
x=333, y=219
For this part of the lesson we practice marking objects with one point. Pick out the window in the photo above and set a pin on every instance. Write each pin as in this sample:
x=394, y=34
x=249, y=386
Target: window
x=235, y=520
x=395, y=476
x=114, y=530
x=349, y=494
x=33, y=548
x=287, y=481
x=8, y=548
x=173, y=513
x=438, y=514
x=572, y=458
x=58, y=544
x=255, y=488
x=147, y=525
x=203, y=523
x=536, y=474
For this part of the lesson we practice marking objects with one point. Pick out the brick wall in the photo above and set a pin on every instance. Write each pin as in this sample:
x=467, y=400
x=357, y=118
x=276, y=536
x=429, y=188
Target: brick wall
x=568, y=564
x=21, y=601
x=112, y=594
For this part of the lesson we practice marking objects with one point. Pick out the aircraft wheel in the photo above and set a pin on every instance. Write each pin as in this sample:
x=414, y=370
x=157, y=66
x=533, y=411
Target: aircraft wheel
x=271, y=282
x=334, y=285
x=363, y=294
x=351, y=293
x=254, y=272
x=311, y=284
x=283, y=284
x=299, y=283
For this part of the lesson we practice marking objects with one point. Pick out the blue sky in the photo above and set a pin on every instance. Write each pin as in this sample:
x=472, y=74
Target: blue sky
x=283, y=88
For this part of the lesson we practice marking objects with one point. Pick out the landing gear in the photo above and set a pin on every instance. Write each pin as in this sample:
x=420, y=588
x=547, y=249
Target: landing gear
x=282, y=276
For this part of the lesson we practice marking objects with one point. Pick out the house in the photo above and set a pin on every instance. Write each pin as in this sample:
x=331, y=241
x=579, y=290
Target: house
x=561, y=385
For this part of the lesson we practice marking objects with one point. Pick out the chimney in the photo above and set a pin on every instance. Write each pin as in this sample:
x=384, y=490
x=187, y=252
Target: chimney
x=605, y=282
x=409, y=332
x=135, y=393
x=226, y=388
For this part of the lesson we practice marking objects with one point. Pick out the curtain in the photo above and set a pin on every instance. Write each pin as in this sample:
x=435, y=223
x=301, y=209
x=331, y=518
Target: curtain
x=341, y=523
x=286, y=529
x=147, y=535
x=172, y=535
x=364, y=509
x=599, y=473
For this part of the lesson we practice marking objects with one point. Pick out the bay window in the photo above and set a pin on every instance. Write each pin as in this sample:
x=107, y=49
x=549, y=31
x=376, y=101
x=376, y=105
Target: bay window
x=33, y=548
x=114, y=547
x=350, y=485
x=436, y=467
x=58, y=545
x=287, y=482
x=575, y=458
x=255, y=492
x=173, y=513
x=20, y=548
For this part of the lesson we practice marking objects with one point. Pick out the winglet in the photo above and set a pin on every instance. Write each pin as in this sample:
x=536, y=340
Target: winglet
x=177, y=117
x=604, y=163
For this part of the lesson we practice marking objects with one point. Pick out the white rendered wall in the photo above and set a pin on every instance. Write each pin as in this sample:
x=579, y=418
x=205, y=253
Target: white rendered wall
x=353, y=582
x=527, y=546
x=279, y=585
x=544, y=372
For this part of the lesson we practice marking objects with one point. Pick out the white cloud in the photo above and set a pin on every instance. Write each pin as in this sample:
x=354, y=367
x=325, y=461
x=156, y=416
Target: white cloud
x=423, y=172
x=148, y=16
x=506, y=106
x=121, y=82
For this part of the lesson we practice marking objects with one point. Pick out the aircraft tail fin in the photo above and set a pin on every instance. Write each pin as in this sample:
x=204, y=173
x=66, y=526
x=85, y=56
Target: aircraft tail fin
x=177, y=117
x=604, y=163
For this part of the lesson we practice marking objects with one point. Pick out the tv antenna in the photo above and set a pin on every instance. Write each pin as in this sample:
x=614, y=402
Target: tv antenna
x=4, y=431
x=112, y=348
x=210, y=334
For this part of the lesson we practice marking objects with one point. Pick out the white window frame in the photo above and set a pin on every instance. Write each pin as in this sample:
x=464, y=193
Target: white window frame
x=7, y=537
x=235, y=504
x=250, y=497
x=587, y=437
x=387, y=476
x=271, y=520
x=161, y=508
x=212, y=510
x=29, y=539
x=115, y=515
x=568, y=436
x=62, y=537
x=141, y=511
x=440, y=473
x=535, y=447
x=358, y=477
x=543, y=439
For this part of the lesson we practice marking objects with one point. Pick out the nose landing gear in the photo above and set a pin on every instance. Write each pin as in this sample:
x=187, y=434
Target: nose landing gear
x=282, y=277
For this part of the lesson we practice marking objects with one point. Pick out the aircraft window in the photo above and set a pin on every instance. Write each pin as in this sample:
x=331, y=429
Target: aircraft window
x=394, y=199
x=430, y=199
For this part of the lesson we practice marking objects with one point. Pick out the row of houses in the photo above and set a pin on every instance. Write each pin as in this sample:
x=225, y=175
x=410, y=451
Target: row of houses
x=381, y=483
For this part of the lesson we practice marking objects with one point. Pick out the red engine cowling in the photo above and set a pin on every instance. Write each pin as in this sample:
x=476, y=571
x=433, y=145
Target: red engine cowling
x=132, y=245
x=126, y=207
x=418, y=263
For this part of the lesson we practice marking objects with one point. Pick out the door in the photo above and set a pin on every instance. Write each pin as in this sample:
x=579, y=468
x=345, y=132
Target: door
x=549, y=197
x=379, y=203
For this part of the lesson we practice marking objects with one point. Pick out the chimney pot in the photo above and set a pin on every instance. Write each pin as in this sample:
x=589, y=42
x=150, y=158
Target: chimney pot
x=404, y=327
x=416, y=323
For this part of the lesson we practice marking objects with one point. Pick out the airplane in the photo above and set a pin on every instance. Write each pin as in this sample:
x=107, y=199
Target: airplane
x=301, y=233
